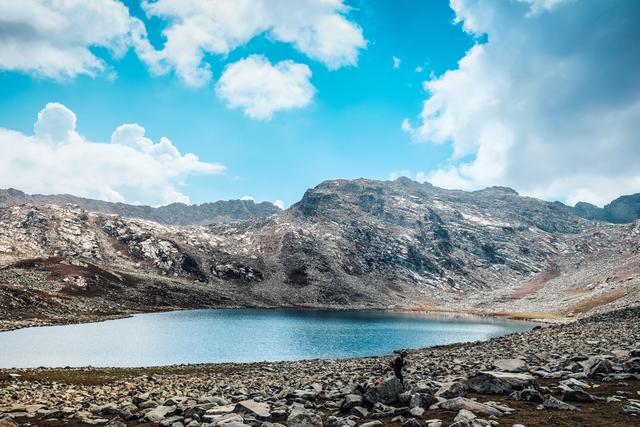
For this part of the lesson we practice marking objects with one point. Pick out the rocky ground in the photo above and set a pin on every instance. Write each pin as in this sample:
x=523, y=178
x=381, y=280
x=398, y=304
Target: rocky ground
x=583, y=373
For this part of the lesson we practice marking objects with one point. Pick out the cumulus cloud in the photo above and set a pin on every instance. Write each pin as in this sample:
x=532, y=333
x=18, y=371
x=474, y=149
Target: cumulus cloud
x=317, y=28
x=260, y=88
x=279, y=204
x=130, y=168
x=396, y=62
x=54, y=38
x=548, y=104
x=248, y=198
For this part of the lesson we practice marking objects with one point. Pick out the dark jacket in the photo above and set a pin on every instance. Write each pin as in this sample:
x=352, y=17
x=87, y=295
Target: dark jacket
x=398, y=364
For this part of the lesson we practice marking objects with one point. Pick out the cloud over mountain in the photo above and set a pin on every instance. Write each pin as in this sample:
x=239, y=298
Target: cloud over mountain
x=131, y=168
x=546, y=101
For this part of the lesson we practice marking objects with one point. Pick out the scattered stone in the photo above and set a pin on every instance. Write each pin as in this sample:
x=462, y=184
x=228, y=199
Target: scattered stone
x=574, y=383
x=417, y=412
x=458, y=403
x=577, y=396
x=630, y=410
x=411, y=422
x=259, y=410
x=510, y=365
x=302, y=417
x=351, y=400
x=551, y=402
x=464, y=415
x=527, y=395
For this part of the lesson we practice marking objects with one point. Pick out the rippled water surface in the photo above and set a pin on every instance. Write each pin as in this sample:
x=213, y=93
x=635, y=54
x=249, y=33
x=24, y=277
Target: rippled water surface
x=238, y=335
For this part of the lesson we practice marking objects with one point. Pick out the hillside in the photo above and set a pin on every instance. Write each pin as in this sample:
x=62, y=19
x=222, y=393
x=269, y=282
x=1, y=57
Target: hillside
x=358, y=243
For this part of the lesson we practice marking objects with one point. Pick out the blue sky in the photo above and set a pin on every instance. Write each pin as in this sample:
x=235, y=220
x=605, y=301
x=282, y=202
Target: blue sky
x=351, y=124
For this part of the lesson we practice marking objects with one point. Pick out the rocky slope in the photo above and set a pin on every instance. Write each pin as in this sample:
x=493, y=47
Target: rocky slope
x=175, y=213
x=585, y=373
x=345, y=244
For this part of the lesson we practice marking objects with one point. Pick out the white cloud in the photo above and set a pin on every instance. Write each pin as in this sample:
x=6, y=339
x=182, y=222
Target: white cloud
x=279, y=204
x=549, y=104
x=396, y=62
x=53, y=38
x=248, y=198
x=261, y=89
x=131, y=168
x=419, y=69
x=317, y=28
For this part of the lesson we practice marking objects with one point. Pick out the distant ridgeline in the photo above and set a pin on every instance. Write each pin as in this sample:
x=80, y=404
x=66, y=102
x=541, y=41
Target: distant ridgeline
x=173, y=214
x=624, y=209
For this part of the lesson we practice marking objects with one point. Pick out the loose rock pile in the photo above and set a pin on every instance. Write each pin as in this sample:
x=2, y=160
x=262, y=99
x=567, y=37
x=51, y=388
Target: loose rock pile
x=556, y=370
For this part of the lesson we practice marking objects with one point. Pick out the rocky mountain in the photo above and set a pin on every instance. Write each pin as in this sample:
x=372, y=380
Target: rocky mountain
x=347, y=243
x=622, y=210
x=175, y=213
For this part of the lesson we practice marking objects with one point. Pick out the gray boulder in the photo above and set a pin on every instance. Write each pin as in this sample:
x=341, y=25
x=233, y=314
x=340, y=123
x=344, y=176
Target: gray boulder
x=350, y=401
x=632, y=365
x=301, y=417
x=494, y=382
x=333, y=421
x=596, y=365
x=422, y=400
x=386, y=392
x=451, y=389
x=157, y=414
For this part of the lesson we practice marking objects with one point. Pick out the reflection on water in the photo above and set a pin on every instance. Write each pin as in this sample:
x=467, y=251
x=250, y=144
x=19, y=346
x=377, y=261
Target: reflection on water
x=239, y=335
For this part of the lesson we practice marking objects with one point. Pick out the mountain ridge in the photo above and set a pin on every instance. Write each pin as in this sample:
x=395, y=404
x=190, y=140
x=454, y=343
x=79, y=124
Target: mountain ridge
x=346, y=243
x=622, y=210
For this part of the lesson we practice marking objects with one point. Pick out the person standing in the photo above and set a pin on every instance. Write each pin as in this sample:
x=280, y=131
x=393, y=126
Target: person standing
x=397, y=364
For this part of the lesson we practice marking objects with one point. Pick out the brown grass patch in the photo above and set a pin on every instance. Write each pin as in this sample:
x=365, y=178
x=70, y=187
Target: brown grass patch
x=514, y=315
x=599, y=300
x=536, y=283
x=574, y=292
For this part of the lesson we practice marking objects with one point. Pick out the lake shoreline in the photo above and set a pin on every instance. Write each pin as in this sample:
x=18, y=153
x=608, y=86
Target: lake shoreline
x=11, y=324
x=251, y=335
x=322, y=384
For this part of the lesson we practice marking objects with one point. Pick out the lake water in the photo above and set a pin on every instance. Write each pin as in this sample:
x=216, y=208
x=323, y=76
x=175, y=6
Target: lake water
x=239, y=335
